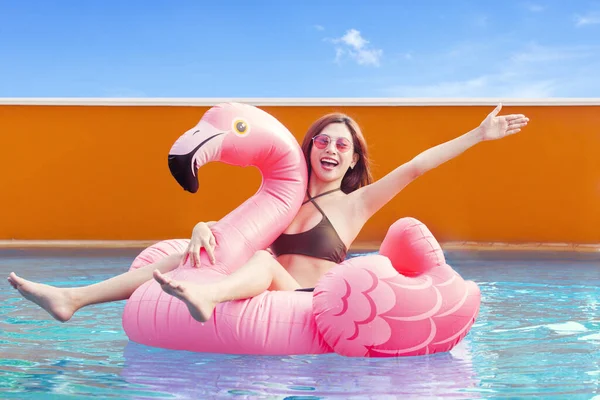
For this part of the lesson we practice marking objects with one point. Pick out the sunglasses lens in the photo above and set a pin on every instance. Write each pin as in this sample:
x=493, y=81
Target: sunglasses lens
x=343, y=145
x=321, y=141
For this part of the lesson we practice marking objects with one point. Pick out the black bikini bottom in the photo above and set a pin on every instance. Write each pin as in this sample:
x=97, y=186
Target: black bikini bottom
x=310, y=289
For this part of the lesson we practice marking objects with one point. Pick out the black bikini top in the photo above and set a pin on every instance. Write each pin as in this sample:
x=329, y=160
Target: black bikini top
x=321, y=242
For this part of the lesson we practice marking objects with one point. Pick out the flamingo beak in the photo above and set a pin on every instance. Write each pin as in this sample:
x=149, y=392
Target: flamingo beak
x=184, y=166
x=183, y=174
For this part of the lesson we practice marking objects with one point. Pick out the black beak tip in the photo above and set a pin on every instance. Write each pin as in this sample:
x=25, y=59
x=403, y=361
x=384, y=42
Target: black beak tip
x=193, y=188
x=179, y=167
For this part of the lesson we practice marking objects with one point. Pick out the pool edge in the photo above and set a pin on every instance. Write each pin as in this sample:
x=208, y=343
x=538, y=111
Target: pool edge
x=356, y=247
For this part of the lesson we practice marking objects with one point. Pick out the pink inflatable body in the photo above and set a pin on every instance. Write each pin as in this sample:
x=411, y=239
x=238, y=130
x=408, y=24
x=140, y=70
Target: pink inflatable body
x=405, y=301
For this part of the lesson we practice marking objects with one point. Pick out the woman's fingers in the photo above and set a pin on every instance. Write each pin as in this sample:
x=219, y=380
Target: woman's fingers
x=196, y=256
x=210, y=250
x=187, y=254
x=209, y=247
x=192, y=253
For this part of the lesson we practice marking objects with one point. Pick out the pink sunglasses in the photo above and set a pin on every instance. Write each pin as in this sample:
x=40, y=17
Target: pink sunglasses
x=322, y=140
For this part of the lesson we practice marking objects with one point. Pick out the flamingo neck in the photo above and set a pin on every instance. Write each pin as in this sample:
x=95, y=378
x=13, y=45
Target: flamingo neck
x=258, y=221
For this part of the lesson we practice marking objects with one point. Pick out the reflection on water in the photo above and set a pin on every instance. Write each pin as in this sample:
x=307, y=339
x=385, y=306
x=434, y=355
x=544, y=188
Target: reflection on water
x=538, y=334
x=199, y=375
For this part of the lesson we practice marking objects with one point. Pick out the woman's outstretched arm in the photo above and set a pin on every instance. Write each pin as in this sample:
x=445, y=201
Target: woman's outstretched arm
x=374, y=196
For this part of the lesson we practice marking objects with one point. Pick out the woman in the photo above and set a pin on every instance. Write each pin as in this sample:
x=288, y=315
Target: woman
x=316, y=240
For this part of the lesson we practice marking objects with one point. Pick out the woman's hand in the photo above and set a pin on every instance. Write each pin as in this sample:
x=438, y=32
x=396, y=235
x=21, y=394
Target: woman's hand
x=494, y=127
x=202, y=237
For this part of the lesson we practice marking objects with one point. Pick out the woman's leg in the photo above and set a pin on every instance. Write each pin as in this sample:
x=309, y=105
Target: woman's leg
x=62, y=303
x=262, y=272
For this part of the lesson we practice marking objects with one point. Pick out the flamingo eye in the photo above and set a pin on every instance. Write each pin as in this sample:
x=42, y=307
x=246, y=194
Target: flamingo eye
x=240, y=127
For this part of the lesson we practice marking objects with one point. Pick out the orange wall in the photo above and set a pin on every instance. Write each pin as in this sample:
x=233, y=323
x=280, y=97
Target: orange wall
x=100, y=172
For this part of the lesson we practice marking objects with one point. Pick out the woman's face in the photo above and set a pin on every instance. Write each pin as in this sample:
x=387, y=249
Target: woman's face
x=332, y=153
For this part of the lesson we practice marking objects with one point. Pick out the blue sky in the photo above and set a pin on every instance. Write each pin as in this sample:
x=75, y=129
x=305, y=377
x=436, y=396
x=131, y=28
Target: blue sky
x=285, y=48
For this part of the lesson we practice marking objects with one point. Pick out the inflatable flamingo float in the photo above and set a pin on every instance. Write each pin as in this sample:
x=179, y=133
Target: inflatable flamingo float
x=404, y=301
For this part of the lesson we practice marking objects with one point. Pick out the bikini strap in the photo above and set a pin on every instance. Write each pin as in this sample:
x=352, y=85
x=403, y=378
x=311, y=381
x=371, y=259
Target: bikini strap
x=312, y=199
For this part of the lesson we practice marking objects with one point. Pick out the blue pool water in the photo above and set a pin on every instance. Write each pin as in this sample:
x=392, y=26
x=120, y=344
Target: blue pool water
x=538, y=334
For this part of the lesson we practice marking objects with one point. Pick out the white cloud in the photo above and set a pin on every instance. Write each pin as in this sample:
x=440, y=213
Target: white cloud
x=368, y=57
x=534, y=71
x=591, y=18
x=534, y=53
x=357, y=47
x=353, y=39
x=339, y=53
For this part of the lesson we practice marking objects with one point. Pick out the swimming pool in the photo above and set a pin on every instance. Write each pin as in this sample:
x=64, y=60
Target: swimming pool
x=538, y=334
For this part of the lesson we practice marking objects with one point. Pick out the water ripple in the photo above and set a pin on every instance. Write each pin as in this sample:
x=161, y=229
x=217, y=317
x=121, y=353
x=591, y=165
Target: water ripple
x=536, y=335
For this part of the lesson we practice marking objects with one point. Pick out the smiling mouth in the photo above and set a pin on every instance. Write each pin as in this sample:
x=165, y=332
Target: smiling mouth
x=329, y=163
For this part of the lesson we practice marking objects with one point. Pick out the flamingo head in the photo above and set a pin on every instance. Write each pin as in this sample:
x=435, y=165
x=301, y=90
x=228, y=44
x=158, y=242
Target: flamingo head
x=233, y=133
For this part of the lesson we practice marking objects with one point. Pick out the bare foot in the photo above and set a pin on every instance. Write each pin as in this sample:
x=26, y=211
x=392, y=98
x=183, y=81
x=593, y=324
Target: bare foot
x=56, y=301
x=193, y=295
